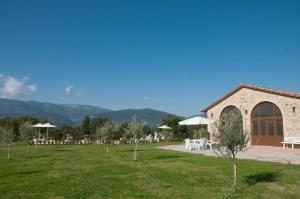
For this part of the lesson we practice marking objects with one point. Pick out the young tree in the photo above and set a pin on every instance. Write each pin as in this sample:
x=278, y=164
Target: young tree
x=15, y=129
x=231, y=138
x=105, y=132
x=6, y=137
x=95, y=123
x=14, y=123
x=27, y=133
x=135, y=129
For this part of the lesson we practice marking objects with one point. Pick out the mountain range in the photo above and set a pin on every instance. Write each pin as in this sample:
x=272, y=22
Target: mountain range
x=73, y=114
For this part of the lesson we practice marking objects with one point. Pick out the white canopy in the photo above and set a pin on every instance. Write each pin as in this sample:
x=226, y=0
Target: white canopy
x=195, y=121
x=48, y=125
x=39, y=125
x=164, y=127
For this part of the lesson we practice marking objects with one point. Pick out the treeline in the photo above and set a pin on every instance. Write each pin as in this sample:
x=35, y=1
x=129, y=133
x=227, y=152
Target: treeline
x=89, y=127
x=13, y=124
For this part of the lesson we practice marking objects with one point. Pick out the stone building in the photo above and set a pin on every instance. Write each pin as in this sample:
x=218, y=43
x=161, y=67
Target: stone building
x=269, y=114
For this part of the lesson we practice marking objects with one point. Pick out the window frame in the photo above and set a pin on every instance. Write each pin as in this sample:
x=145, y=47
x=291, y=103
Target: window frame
x=264, y=119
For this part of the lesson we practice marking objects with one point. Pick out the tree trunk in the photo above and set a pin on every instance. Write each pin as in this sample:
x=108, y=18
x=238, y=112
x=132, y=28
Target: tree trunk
x=28, y=149
x=106, y=146
x=234, y=174
x=8, y=149
x=135, y=149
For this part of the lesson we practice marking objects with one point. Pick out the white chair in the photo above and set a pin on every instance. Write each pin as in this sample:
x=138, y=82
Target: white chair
x=35, y=141
x=188, y=145
x=202, y=144
x=142, y=140
x=198, y=144
x=148, y=138
x=156, y=139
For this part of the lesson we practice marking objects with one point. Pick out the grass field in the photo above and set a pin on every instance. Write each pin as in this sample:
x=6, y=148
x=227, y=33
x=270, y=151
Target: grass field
x=87, y=171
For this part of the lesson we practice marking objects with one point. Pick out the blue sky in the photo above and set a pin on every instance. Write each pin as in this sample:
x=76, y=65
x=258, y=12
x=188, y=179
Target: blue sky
x=176, y=56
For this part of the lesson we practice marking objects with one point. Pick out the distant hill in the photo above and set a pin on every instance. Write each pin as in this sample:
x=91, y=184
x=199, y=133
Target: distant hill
x=55, y=113
x=73, y=113
x=152, y=117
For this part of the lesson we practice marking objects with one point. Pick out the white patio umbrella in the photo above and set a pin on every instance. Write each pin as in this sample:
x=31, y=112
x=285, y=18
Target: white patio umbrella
x=48, y=125
x=164, y=127
x=198, y=120
x=38, y=125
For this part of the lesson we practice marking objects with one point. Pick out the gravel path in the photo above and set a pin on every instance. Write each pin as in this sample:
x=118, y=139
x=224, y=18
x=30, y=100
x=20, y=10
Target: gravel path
x=262, y=153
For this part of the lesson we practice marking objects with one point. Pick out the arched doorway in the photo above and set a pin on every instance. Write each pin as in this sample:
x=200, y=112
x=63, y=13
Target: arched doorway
x=266, y=125
x=229, y=109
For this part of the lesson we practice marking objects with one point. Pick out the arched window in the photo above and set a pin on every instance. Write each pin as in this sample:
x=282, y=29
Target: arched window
x=267, y=124
x=230, y=109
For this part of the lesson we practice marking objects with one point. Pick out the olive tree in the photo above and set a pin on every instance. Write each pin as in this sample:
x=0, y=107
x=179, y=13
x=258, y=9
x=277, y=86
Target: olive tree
x=135, y=130
x=6, y=137
x=230, y=138
x=27, y=133
x=105, y=132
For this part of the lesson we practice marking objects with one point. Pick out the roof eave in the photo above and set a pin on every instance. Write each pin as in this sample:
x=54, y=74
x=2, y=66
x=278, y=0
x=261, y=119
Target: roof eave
x=257, y=88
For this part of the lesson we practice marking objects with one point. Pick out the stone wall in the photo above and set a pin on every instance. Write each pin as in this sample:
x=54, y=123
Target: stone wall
x=246, y=99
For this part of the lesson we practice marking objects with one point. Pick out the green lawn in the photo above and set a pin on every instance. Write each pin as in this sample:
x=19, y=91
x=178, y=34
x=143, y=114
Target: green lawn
x=87, y=171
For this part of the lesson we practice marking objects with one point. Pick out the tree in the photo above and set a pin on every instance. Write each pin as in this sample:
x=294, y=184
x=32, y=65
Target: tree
x=172, y=121
x=14, y=123
x=6, y=137
x=147, y=130
x=105, y=133
x=167, y=134
x=27, y=133
x=15, y=129
x=85, y=127
x=135, y=129
x=95, y=123
x=62, y=131
x=118, y=132
x=231, y=137
x=122, y=132
x=77, y=132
